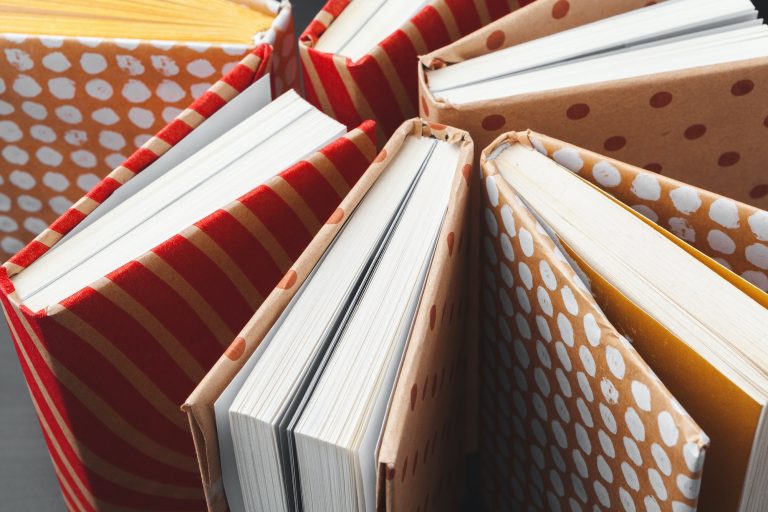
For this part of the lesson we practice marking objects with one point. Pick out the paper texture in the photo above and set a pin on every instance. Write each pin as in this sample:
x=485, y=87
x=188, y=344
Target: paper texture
x=200, y=404
x=109, y=367
x=382, y=85
x=570, y=412
x=421, y=456
x=73, y=109
x=732, y=233
x=703, y=126
x=722, y=225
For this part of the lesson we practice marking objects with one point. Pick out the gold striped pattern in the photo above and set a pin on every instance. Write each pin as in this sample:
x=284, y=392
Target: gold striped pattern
x=175, y=281
x=223, y=261
x=254, y=225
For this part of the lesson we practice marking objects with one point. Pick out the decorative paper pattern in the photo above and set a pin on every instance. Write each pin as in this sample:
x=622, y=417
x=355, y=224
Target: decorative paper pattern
x=422, y=451
x=572, y=418
x=382, y=85
x=72, y=110
x=733, y=234
x=109, y=367
x=704, y=126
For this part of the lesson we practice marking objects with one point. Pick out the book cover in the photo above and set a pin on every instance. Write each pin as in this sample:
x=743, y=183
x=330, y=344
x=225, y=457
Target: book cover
x=109, y=367
x=382, y=84
x=73, y=109
x=703, y=126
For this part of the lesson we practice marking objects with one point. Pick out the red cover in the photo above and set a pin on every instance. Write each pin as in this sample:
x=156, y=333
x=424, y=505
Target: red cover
x=383, y=84
x=108, y=367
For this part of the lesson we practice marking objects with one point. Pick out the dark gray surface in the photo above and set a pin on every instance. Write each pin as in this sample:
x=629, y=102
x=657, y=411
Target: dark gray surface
x=27, y=480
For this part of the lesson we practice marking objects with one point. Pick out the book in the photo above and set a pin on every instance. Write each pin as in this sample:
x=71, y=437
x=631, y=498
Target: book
x=358, y=57
x=596, y=268
x=564, y=69
x=379, y=300
x=81, y=90
x=120, y=307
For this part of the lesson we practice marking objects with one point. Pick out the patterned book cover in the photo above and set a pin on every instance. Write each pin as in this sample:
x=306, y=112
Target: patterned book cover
x=422, y=444
x=705, y=126
x=572, y=417
x=109, y=367
x=382, y=84
x=73, y=109
x=565, y=338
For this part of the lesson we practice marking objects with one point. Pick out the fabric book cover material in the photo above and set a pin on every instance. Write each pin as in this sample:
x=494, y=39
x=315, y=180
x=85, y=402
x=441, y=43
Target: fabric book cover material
x=109, y=367
x=570, y=412
x=633, y=442
x=73, y=109
x=705, y=126
x=382, y=84
x=422, y=446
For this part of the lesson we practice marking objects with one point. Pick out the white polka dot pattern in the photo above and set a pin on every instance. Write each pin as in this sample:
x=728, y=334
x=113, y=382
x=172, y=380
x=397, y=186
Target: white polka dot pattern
x=732, y=233
x=71, y=110
x=572, y=418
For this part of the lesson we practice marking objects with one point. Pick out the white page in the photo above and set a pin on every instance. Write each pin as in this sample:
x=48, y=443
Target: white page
x=251, y=100
x=718, y=48
x=268, y=142
x=365, y=23
x=296, y=346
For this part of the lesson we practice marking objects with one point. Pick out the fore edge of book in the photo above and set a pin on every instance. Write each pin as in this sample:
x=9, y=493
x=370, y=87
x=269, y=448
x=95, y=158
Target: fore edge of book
x=754, y=495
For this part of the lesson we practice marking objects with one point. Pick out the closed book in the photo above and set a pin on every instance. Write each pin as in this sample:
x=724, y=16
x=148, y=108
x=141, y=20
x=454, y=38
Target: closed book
x=702, y=124
x=81, y=92
x=356, y=76
x=110, y=353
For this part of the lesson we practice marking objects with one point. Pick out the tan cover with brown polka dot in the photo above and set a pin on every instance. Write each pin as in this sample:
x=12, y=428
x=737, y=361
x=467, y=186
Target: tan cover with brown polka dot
x=599, y=390
x=73, y=109
x=422, y=447
x=706, y=126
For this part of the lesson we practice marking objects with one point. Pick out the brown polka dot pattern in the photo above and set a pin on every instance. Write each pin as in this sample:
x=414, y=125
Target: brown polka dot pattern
x=695, y=131
x=560, y=9
x=661, y=99
x=494, y=122
x=495, y=40
x=615, y=143
x=728, y=159
x=742, y=87
x=577, y=111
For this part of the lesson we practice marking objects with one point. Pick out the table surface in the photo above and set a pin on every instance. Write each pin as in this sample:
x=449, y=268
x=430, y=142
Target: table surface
x=27, y=479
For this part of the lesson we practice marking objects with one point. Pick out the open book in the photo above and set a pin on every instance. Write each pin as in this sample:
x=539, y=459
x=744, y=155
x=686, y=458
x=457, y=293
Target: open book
x=698, y=325
x=85, y=84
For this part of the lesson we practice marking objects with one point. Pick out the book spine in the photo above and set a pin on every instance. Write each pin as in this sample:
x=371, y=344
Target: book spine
x=382, y=85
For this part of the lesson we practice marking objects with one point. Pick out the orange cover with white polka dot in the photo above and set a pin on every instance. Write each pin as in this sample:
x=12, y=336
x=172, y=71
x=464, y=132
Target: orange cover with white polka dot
x=659, y=437
x=73, y=109
x=705, y=126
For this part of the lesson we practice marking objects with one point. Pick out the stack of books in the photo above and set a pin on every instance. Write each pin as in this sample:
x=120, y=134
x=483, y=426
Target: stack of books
x=549, y=292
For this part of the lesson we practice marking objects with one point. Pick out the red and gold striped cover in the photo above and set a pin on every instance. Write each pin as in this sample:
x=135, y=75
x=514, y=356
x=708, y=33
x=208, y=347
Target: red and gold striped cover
x=108, y=367
x=383, y=84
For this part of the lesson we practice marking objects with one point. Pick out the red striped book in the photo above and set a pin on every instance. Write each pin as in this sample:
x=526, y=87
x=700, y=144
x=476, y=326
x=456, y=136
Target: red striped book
x=352, y=82
x=109, y=362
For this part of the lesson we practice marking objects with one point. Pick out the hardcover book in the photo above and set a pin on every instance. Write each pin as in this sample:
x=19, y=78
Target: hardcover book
x=121, y=306
x=359, y=58
x=83, y=85
x=673, y=87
